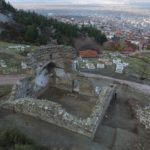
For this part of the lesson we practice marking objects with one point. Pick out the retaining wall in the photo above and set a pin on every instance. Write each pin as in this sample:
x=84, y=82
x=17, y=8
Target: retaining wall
x=23, y=88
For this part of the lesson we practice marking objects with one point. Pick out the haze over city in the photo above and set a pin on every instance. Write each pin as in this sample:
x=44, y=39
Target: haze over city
x=81, y=2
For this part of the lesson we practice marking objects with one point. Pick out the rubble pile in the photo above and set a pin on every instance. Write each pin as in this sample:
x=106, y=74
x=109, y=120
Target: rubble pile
x=3, y=64
x=143, y=114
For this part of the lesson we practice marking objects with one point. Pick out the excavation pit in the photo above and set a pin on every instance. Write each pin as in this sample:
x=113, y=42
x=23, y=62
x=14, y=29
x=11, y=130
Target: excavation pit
x=73, y=102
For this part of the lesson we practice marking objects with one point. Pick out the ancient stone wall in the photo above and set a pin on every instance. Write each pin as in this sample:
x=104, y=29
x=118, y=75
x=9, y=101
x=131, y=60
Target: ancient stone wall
x=28, y=87
x=60, y=55
x=62, y=80
x=54, y=113
x=23, y=94
x=22, y=88
x=74, y=82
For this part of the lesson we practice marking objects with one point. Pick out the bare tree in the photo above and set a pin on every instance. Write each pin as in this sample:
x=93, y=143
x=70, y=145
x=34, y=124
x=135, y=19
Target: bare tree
x=86, y=44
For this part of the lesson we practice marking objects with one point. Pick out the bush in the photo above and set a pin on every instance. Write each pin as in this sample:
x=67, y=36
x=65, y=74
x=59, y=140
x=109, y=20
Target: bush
x=9, y=138
x=12, y=139
x=25, y=147
x=148, y=47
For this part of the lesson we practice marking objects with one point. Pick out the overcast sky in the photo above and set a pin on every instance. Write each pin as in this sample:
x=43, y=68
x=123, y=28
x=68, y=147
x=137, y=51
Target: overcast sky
x=80, y=1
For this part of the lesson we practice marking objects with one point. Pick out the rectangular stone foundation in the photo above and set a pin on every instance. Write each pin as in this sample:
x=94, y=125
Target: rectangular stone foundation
x=54, y=113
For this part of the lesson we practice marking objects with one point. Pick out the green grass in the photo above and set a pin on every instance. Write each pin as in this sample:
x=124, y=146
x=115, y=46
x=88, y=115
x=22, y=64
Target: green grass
x=13, y=62
x=13, y=139
x=13, y=58
x=5, y=90
x=139, y=65
x=5, y=47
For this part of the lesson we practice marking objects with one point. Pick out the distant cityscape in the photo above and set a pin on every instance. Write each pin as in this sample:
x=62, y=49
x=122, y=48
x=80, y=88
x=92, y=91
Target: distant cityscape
x=125, y=25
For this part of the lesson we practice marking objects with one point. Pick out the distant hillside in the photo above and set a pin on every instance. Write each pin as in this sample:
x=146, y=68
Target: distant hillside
x=29, y=27
x=144, y=5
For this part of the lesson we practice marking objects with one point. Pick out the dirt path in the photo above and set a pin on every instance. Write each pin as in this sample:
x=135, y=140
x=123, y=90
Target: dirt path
x=10, y=79
x=141, y=87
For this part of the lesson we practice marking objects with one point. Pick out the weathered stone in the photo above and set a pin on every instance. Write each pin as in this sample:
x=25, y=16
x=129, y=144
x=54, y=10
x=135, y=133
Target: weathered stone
x=59, y=58
x=50, y=111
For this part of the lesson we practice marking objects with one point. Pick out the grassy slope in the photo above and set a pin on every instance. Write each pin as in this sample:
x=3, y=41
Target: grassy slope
x=12, y=58
x=138, y=65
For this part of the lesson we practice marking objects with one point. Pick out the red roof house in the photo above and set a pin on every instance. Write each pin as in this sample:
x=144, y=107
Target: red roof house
x=88, y=53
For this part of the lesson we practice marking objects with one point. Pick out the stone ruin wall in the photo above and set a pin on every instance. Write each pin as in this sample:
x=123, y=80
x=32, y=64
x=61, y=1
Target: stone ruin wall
x=84, y=84
x=54, y=113
x=61, y=55
x=23, y=88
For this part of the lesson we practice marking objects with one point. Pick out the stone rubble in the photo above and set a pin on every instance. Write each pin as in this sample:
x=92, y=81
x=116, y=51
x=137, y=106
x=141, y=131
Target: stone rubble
x=19, y=48
x=143, y=114
x=24, y=65
x=119, y=65
x=3, y=64
x=90, y=66
x=100, y=66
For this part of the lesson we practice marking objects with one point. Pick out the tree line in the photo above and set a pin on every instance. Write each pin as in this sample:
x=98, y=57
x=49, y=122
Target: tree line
x=34, y=28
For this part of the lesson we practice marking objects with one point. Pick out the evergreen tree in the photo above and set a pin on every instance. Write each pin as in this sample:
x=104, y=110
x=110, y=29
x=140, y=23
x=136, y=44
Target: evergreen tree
x=6, y=6
x=31, y=33
x=64, y=33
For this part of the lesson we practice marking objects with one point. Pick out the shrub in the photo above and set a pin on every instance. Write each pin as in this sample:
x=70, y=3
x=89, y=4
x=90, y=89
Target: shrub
x=10, y=138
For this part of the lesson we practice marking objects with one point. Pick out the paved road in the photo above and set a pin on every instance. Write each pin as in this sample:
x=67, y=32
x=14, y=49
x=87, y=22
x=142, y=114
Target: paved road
x=141, y=87
x=10, y=79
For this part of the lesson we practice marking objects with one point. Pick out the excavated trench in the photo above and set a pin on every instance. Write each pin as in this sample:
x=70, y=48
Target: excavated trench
x=74, y=103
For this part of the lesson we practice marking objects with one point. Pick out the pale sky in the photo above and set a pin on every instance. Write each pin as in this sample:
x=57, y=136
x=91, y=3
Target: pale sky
x=79, y=1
